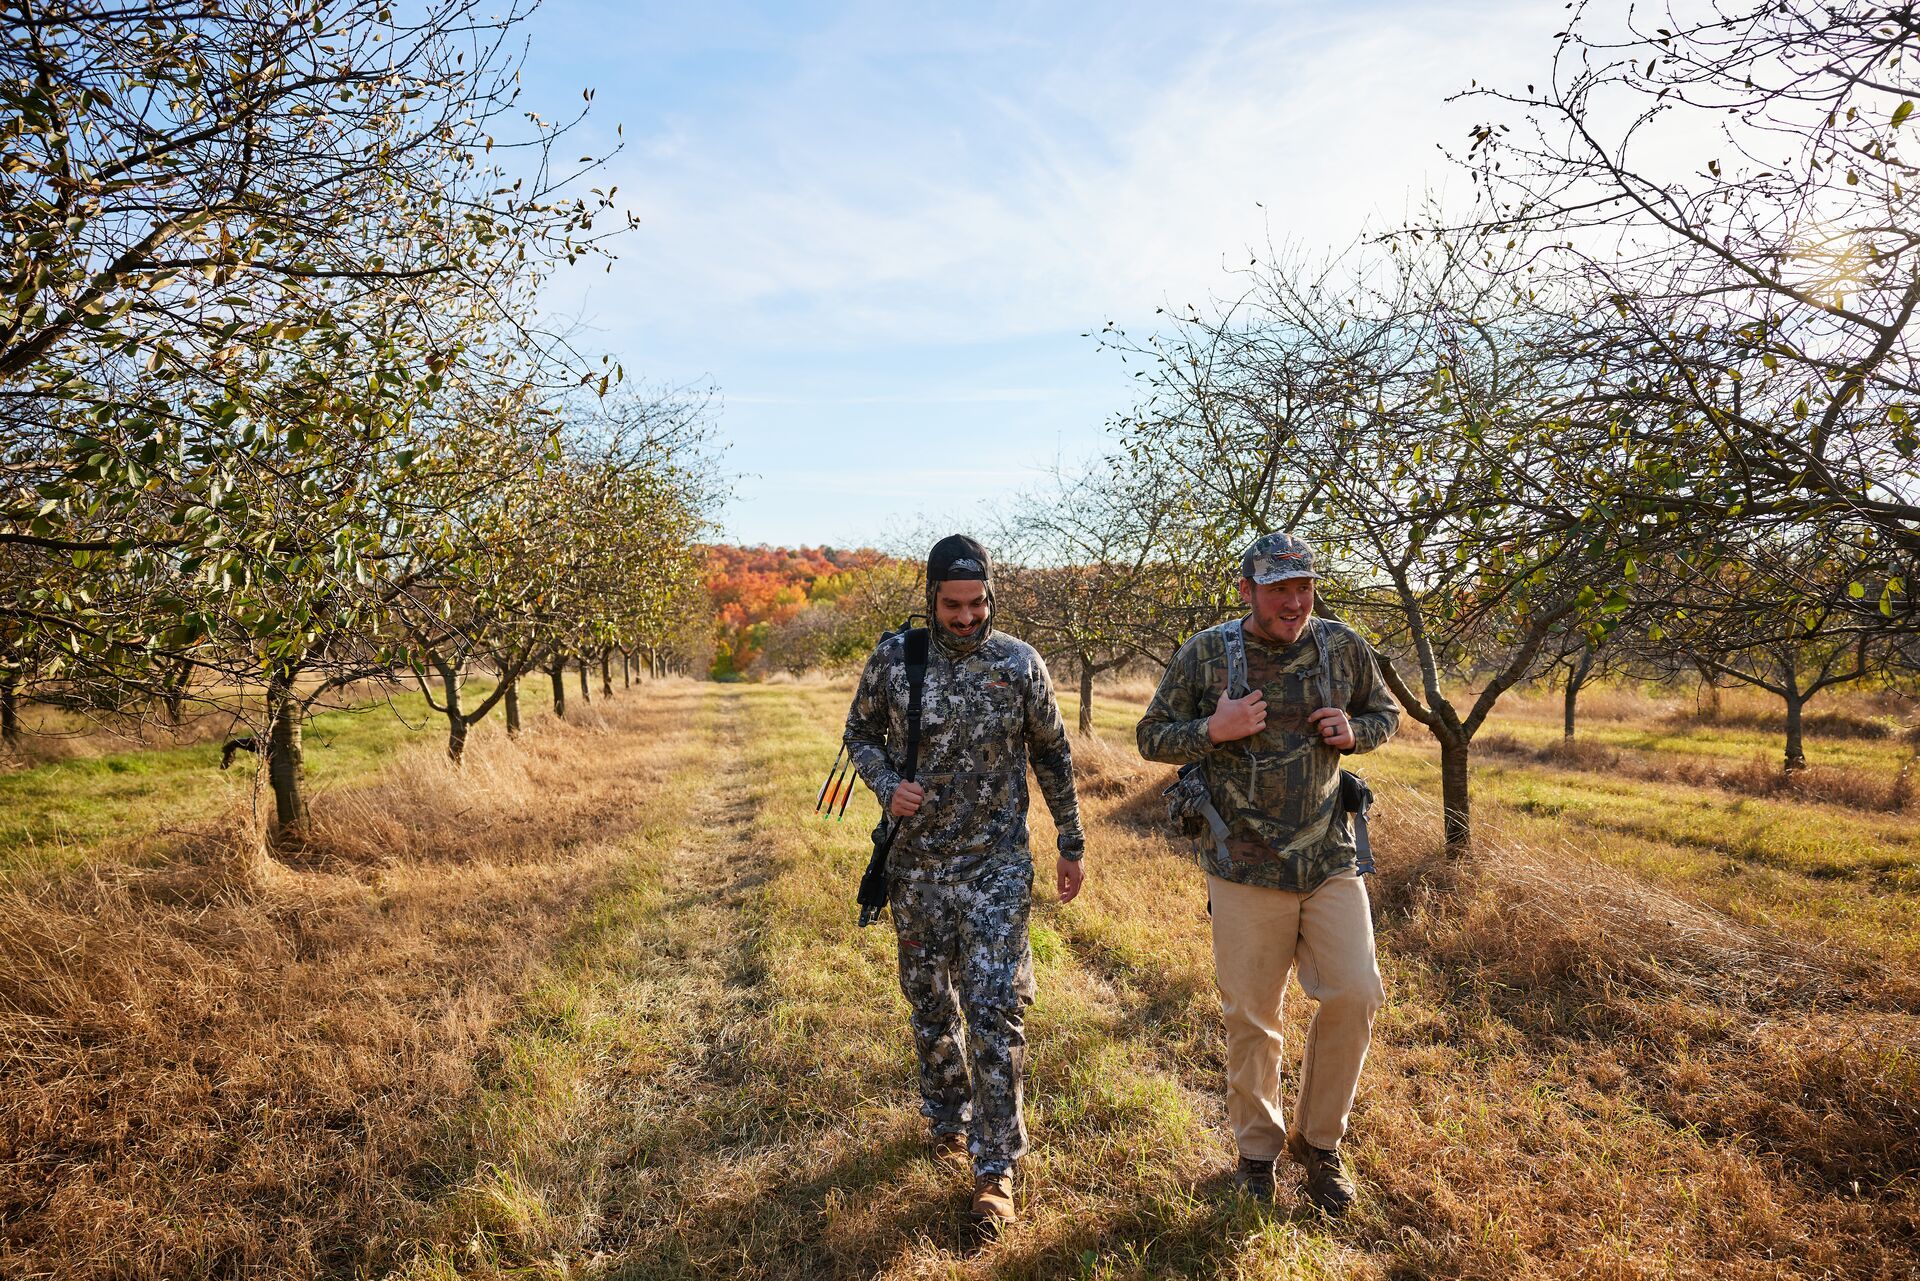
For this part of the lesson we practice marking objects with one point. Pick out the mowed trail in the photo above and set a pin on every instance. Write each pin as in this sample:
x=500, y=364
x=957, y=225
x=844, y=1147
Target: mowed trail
x=726, y=1155
x=691, y=986
x=755, y=1109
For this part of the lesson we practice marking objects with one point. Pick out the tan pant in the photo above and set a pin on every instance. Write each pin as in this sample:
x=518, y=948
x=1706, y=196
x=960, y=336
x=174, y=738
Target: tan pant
x=1259, y=935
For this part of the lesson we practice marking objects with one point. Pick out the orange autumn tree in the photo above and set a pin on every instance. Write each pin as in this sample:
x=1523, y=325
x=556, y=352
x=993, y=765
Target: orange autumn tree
x=757, y=590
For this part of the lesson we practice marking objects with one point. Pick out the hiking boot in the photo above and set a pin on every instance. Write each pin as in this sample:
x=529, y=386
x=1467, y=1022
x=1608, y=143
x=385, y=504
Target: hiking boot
x=1253, y=1178
x=947, y=1149
x=1327, y=1187
x=992, y=1203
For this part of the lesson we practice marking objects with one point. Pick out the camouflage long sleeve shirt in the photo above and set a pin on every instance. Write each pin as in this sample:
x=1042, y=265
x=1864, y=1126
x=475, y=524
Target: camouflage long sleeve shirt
x=1279, y=791
x=984, y=714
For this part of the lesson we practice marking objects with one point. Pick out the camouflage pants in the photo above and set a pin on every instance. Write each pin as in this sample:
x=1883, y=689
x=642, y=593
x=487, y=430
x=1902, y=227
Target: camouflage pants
x=964, y=948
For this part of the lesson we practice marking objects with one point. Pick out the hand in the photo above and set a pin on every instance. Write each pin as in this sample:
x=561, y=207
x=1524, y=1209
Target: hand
x=1238, y=717
x=1068, y=873
x=906, y=800
x=1336, y=731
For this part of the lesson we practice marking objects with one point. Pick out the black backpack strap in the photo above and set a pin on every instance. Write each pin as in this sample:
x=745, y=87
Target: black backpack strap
x=916, y=687
x=873, y=885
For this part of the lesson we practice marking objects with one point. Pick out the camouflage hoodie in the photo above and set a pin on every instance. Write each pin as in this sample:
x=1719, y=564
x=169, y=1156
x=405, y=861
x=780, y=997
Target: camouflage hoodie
x=987, y=708
x=1279, y=791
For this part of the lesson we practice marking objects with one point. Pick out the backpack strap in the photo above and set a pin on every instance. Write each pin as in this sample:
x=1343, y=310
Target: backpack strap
x=1236, y=657
x=916, y=645
x=1356, y=798
x=1325, y=670
x=873, y=893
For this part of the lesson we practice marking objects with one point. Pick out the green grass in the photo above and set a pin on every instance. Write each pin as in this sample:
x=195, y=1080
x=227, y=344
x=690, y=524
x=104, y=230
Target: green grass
x=1847, y=877
x=60, y=813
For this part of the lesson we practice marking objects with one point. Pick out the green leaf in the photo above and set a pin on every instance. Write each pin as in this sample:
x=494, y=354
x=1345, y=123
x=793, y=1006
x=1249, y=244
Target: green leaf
x=1901, y=112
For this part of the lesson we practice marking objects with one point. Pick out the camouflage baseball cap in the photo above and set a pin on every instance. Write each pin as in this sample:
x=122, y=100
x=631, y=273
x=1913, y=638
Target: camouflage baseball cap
x=1274, y=558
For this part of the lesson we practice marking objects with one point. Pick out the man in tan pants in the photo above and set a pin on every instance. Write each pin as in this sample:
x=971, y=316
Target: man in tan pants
x=1260, y=711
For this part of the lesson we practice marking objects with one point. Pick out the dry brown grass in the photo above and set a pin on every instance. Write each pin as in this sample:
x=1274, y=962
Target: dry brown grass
x=1759, y=776
x=1826, y=723
x=207, y=1082
x=1582, y=1073
x=1132, y=688
x=474, y=1036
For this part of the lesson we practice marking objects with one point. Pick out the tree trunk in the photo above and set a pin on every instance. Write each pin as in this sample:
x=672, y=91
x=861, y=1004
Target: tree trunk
x=512, y=700
x=286, y=762
x=586, y=694
x=626, y=670
x=456, y=716
x=1796, y=756
x=606, y=673
x=1576, y=681
x=557, y=673
x=1455, y=810
x=1707, y=691
x=1902, y=796
x=175, y=688
x=10, y=711
x=1086, y=697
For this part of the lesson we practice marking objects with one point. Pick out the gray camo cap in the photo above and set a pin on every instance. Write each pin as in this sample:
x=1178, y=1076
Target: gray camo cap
x=1274, y=558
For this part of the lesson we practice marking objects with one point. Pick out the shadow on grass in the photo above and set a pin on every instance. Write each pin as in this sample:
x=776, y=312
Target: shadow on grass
x=820, y=1224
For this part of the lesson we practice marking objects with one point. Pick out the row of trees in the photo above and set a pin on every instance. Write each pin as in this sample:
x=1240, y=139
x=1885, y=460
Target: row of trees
x=277, y=410
x=1625, y=409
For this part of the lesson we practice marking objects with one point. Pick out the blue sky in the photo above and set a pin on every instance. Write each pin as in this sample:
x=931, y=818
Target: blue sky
x=883, y=230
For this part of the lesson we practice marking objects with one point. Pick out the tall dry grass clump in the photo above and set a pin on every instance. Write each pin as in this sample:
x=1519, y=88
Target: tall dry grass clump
x=1756, y=1038
x=208, y=1078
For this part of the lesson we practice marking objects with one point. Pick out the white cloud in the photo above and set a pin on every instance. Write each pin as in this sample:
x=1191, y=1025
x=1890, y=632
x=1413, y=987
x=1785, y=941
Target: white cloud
x=863, y=202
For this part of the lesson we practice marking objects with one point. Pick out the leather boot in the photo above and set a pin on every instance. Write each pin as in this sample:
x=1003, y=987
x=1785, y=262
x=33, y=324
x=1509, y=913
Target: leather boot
x=1327, y=1186
x=1253, y=1178
x=993, y=1203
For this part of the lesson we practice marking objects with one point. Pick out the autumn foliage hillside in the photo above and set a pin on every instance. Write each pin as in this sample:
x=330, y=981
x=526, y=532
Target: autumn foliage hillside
x=780, y=608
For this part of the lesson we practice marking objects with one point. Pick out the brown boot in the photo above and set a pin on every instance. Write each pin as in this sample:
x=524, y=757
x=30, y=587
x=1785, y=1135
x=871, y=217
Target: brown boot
x=947, y=1149
x=1253, y=1178
x=1327, y=1187
x=992, y=1203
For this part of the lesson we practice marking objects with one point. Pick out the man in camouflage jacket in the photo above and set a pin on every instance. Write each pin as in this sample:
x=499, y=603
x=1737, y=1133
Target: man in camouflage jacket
x=1283, y=888
x=960, y=876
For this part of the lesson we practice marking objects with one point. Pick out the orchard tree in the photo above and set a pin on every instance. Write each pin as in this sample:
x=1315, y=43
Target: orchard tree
x=1773, y=610
x=1729, y=195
